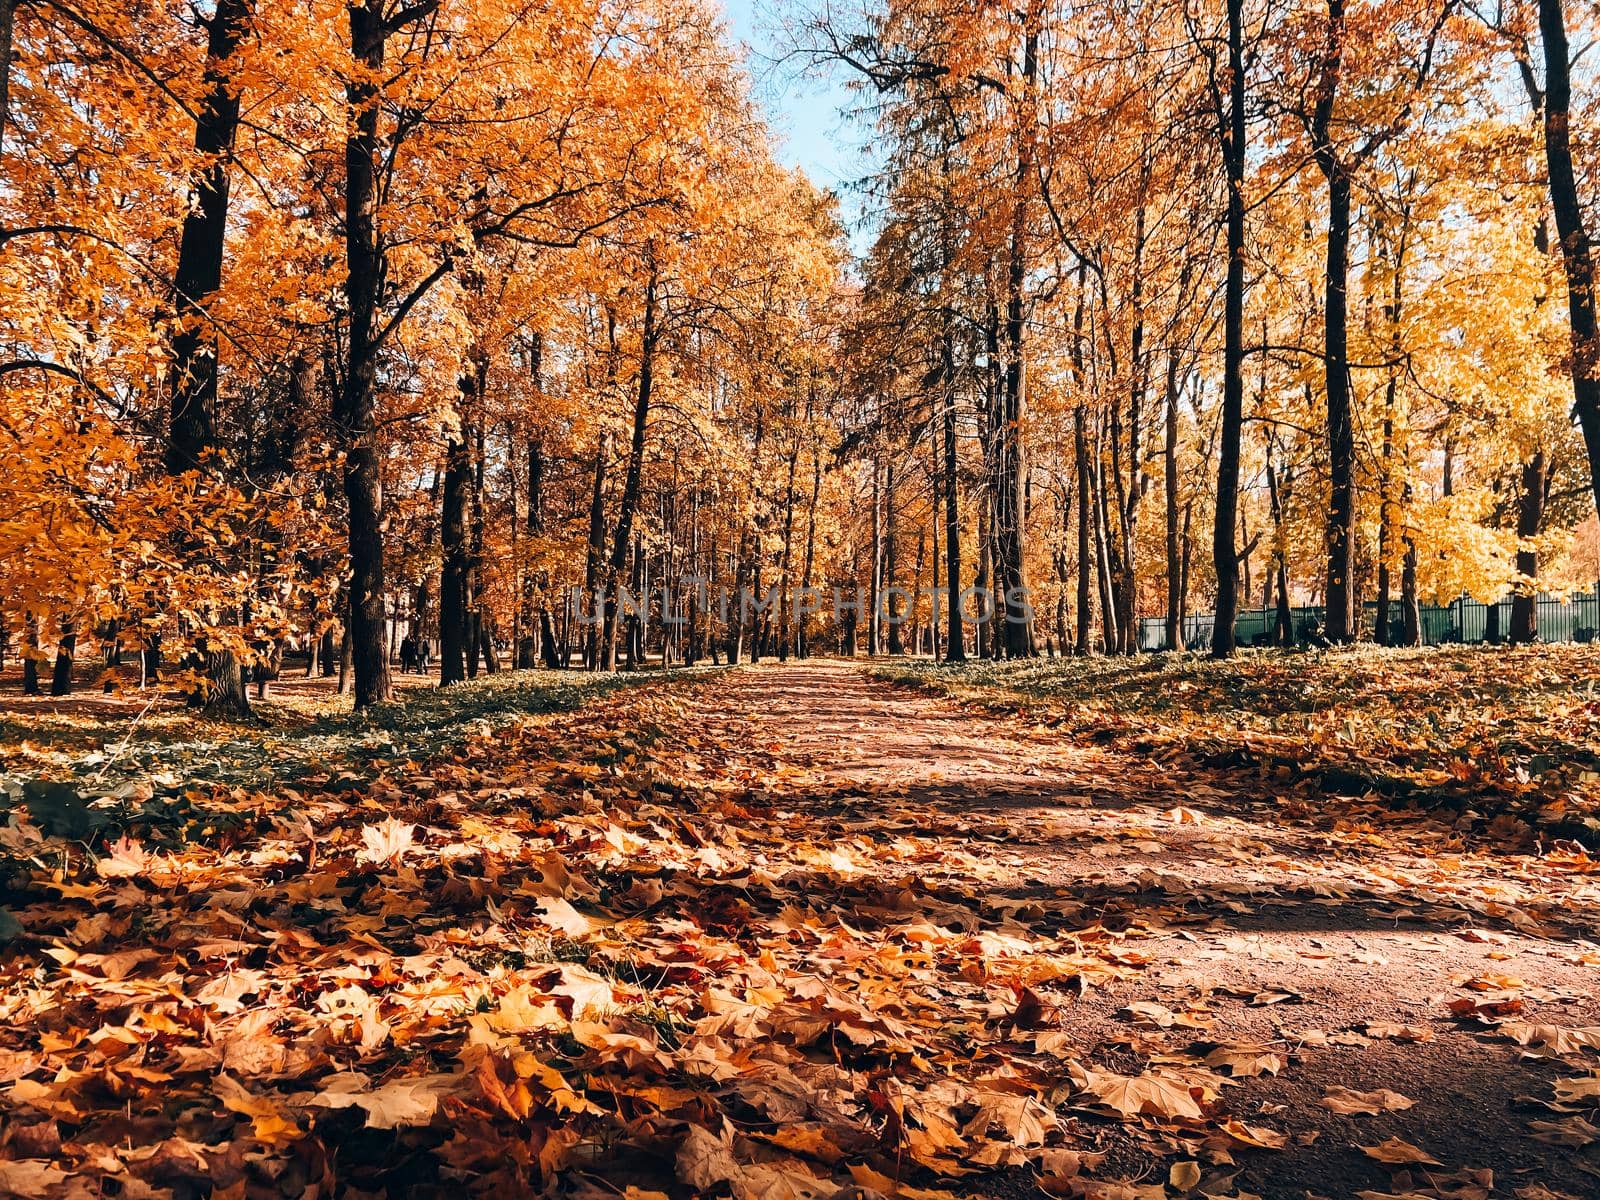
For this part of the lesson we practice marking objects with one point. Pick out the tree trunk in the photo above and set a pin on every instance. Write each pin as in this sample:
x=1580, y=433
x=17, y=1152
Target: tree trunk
x=1128, y=591
x=631, y=482
x=1340, y=527
x=1577, y=254
x=1109, y=635
x=61, y=674
x=891, y=560
x=1080, y=445
x=1410, y=609
x=225, y=679
x=549, y=652
x=955, y=638
x=594, y=560
x=192, y=355
x=8, y=18
x=1283, y=624
x=1010, y=576
x=347, y=680
x=1385, y=528
x=1530, y=520
x=355, y=407
x=30, y=655
x=193, y=352
x=1170, y=463
x=788, y=558
x=875, y=583
x=803, y=635
x=1223, y=545
x=456, y=560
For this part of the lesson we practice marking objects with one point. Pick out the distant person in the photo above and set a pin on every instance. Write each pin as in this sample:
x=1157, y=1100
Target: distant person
x=424, y=654
x=408, y=654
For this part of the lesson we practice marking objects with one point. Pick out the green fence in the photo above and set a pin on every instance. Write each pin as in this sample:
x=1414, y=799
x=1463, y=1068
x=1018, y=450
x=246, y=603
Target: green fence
x=1571, y=619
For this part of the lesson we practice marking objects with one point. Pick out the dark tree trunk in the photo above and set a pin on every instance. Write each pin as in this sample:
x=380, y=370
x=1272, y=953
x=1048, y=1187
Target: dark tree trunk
x=1340, y=527
x=1110, y=638
x=1130, y=502
x=955, y=638
x=355, y=412
x=192, y=432
x=347, y=678
x=1530, y=520
x=1410, y=609
x=1341, y=619
x=1010, y=507
x=1170, y=462
x=226, y=682
x=1283, y=623
x=61, y=675
x=1387, y=506
x=549, y=651
x=330, y=653
x=1080, y=446
x=1223, y=546
x=30, y=656
x=8, y=18
x=594, y=560
x=803, y=635
x=891, y=563
x=456, y=562
x=1380, y=632
x=875, y=587
x=632, y=480
x=786, y=565
x=200, y=250
x=1577, y=252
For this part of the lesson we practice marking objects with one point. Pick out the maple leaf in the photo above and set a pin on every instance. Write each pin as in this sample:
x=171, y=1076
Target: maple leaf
x=1396, y=1152
x=400, y=1102
x=1550, y=1040
x=1398, y=1032
x=1571, y=1131
x=1348, y=1102
x=1245, y=1060
x=31, y=1177
x=1153, y=1093
x=126, y=859
x=559, y=914
x=386, y=842
x=1576, y=1091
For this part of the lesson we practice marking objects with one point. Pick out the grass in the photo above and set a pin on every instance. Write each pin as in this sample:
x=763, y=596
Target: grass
x=98, y=770
x=1517, y=729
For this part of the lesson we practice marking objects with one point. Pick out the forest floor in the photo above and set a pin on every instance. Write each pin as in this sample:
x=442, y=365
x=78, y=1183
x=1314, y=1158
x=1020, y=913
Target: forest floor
x=788, y=931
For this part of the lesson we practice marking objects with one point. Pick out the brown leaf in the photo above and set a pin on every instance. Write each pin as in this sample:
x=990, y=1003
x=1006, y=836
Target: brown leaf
x=1396, y=1152
x=1348, y=1102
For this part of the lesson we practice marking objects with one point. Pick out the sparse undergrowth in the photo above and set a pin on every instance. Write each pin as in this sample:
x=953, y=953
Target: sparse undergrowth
x=292, y=735
x=93, y=778
x=1510, y=734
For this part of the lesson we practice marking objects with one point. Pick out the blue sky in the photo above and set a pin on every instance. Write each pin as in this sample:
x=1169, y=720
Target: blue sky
x=804, y=113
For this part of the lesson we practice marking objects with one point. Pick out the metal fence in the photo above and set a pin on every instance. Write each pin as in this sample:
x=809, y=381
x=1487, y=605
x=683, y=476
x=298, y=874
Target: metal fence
x=1575, y=618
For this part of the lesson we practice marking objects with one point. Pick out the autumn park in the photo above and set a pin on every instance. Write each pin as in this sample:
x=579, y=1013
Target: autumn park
x=799, y=599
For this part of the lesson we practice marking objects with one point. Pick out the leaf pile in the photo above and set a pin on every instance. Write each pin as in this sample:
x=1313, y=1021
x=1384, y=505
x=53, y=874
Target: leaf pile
x=571, y=950
x=683, y=942
x=1508, y=736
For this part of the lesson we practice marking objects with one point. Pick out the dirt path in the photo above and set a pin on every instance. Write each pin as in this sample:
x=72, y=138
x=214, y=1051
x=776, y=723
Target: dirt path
x=1333, y=942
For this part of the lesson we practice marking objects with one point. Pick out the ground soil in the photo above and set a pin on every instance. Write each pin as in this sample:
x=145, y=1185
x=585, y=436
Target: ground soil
x=1264, y=918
